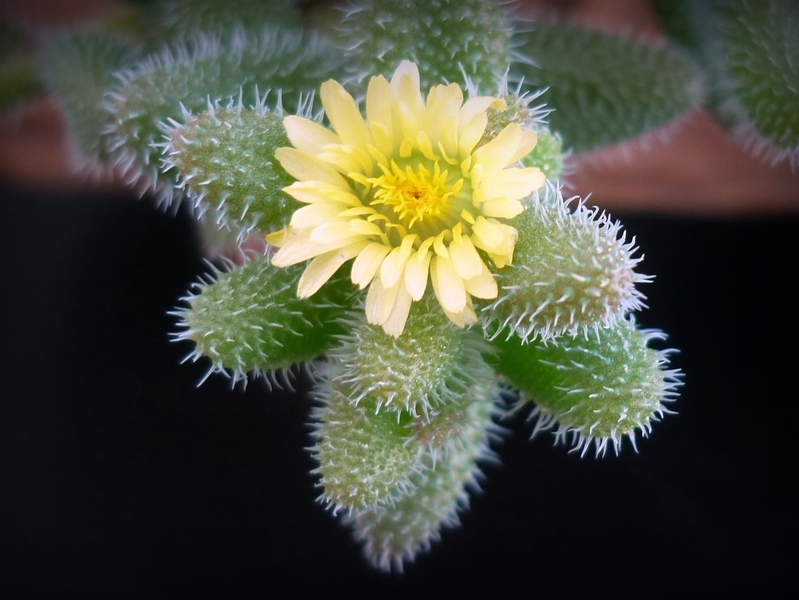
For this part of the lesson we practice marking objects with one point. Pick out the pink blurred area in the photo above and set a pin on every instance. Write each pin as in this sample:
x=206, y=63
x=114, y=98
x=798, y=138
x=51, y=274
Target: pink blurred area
x=691, y=167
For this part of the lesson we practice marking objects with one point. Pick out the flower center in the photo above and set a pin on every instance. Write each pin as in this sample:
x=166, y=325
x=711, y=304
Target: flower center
x=421, y=199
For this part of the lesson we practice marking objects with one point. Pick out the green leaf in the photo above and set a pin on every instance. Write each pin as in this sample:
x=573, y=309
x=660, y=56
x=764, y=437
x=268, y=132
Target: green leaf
x=78, y=67
x=445, y=38
x=171, y=19
x=397, y=533
x=598, y=388
x=430, y=365
x=750, y=53
x=366, y=457
x=573, y=272
x=206, y=68
x=225, y=158
x=604, y=89
x=761, y=96
x=249, y=319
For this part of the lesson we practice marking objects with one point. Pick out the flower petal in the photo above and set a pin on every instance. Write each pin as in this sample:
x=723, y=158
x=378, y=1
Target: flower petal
x=512, y=183
x=317, y=192
x=322, y=268
x=405, y=86
x=395, y=324
x=308, y=136
x=380, y=302
x=448, y=286
x=378, y=101
x=305, y=167
x=497, y=154
x=393, y=266
x=296, y=249
x=333, y=232
x=344, y=114
x=495, y=238
x=464, y=317
x=365, y=266
x=526, y=144
x=502, y=208
x=483, y=285
x=476, y=105
x=315, y=214
x=465, y=260
x=416, y=273
x=471, y=133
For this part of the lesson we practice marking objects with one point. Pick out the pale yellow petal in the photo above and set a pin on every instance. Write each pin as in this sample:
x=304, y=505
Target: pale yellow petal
x=393, y=266
x=322, y=268
x=363, y=227
x=305, y=167
x=441, y=116
x=464, y=257
x=405, y=87
x=395, y=324
x=425, y=145
x=311, y=192
x=314, y=214
x=527, y=142
x=486, y=234
x=476, y=105
x=496, y=238
x=383, y=137
x=365, y=266
x=378, y=101
x=308, y=136
x=341, y=160
x=471, y=133
x=344, y=114
x=380, y=302
x=512, y=183
x=417, y=270
x=447, y=285
x=334, y=232
x=278, y=238
x=297, y=249
x=482, y=285
x=502, y=208
x=464, y=317
x=497, y=154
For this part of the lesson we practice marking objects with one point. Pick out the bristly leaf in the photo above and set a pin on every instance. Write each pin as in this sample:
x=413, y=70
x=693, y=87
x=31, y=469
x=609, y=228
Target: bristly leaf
x=225, y=158
x=573, y=271
x=172, y=19
x=598, y=388
x=78, y=67
x=292, y=64
x=604, y=89
x=446, y=38
x=370, y=457
x=366, y=457
x=548, y=155
x=750, y=52
x=395, y=534
x=249, y=319
x=432, y=364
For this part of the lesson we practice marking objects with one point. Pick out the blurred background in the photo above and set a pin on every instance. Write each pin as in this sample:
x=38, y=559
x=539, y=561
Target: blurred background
x=122, y=477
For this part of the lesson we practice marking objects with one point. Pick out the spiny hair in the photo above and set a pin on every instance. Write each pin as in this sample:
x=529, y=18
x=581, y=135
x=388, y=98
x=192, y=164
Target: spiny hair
x=573, y=272
x=225, y=165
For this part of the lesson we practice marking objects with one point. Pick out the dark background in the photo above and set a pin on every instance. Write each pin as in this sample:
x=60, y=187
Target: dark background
x=121, y=478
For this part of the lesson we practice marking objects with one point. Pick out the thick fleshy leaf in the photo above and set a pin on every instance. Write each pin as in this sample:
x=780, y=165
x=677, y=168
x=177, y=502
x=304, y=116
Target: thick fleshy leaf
x=627, y=88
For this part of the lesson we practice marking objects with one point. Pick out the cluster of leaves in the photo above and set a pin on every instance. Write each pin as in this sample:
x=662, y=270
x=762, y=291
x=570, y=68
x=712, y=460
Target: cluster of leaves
x=186, y=98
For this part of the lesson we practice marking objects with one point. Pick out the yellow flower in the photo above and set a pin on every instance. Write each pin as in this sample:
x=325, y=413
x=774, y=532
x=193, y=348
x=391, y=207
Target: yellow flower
x=412, y=192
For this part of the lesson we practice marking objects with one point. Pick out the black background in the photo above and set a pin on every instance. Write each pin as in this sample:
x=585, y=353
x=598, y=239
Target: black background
x=121, y=478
